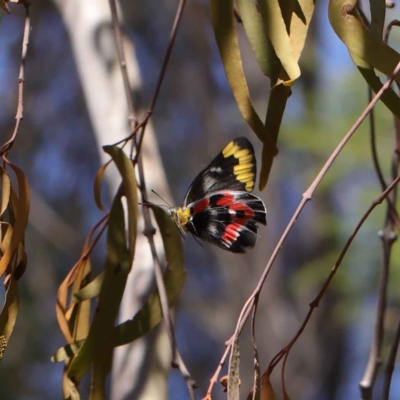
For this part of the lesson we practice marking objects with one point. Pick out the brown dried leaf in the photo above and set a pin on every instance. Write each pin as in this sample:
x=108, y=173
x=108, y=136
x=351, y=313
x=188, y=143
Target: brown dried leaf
x=8, y=314
x=5, y=190
x=22, y=212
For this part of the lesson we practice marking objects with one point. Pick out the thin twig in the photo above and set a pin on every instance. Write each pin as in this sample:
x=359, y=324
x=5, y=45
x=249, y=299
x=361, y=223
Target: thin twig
x=315, y=303
x=6, y=147
x=307, y=195
x=149, y=229
x=394, y=348
x=390, y=364
x=257, y=383
x=388, y=237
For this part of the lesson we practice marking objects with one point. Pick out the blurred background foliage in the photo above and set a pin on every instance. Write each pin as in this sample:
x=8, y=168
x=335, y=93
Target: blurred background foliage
x=195, y=117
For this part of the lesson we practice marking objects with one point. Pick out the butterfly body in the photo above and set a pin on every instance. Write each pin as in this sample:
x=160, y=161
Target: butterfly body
x=218, y=206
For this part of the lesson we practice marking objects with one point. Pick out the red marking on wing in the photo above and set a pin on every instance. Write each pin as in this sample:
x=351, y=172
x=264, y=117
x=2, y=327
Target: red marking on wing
x=201, y=205
x=231, y=233
x=225, y=200
x=247, y=211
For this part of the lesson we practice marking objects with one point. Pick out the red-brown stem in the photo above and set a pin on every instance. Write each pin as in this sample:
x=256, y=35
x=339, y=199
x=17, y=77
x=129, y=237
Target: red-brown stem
x=6, y=147
x=307, y=195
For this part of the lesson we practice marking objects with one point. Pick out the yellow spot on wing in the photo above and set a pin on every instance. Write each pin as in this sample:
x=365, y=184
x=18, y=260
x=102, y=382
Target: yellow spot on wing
x=241, y=153
x=240, y=168
x=246, y=177
x=230, y=149
x=245, y=160
x=249, y=186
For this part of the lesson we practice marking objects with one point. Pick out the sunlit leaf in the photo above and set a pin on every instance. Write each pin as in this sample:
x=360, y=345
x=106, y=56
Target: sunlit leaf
x=366, y=47
x=226, y=36
x=277, y=32
x=65, y=352
x=91, y=290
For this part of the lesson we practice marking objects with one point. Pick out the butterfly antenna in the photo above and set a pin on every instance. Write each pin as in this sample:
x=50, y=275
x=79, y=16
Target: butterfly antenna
x=153, y=204
x=169, y=206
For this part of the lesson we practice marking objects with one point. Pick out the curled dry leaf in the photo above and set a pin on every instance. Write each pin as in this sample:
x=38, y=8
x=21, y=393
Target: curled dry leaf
x=224, y=382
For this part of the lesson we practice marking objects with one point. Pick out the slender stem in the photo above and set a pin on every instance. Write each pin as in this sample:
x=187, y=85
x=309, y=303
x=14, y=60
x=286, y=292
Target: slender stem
x=388, y=236
x=6, y=147
x=307, y=195
x=315, y=303
x=122, y=63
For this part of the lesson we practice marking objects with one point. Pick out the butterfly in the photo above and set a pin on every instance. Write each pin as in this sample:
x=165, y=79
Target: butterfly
x=218, y=206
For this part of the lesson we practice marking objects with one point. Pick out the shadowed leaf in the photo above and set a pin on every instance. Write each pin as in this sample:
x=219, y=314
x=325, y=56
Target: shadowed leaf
x=97, y=185
x=99, y=343
x=125, y=168
x=5, y=190
x=174, y=278
x=116, y=272
x=8, y=314
x=22, y=213
x=258, y=38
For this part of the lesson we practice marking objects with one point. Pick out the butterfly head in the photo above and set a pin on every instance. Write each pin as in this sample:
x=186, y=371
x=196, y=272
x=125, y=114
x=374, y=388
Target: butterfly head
x=181, y=216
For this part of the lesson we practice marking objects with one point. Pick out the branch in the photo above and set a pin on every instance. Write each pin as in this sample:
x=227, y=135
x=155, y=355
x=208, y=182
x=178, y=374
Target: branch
x=6, y=147
x=307, y=195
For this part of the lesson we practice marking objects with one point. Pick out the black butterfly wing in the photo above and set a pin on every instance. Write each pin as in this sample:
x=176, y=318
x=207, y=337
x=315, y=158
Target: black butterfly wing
x=228, y=219
x=233, y=169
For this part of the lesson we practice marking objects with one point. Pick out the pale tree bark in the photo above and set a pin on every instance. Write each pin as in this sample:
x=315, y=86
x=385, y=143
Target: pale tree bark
x=139, y=369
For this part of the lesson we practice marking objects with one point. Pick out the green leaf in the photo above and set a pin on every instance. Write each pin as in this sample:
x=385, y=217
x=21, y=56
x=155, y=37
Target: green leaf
x=276, y=108
x=366, y=47
x=277, y=32
x=174, y=278
x=226, y=36
x=259, y=41
x=125, y=167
